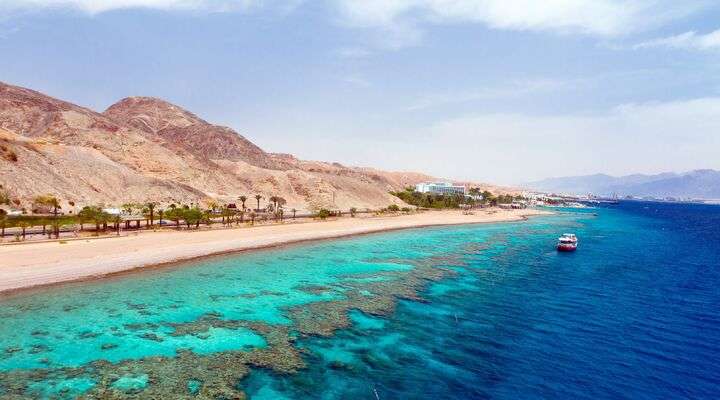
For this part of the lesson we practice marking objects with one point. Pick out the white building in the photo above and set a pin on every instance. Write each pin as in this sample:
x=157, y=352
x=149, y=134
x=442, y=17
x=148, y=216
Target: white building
x=439, y=188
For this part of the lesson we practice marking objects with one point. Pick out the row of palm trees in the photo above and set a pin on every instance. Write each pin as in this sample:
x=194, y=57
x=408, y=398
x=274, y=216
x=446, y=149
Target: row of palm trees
x=191, y=215
x=24, y=222
x=275, y=200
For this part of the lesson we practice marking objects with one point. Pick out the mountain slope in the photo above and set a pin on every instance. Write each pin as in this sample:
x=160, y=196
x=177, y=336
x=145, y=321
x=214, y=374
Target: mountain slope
x=34, y=167
x=184, y=131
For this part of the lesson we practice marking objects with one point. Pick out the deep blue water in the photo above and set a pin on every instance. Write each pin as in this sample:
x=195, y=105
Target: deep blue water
x=634, y=313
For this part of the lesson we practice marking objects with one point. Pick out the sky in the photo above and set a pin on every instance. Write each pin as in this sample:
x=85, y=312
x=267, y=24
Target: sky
x=500, y=91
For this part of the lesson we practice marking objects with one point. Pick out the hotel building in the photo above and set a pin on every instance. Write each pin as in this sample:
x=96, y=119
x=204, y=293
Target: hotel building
x=439, y=188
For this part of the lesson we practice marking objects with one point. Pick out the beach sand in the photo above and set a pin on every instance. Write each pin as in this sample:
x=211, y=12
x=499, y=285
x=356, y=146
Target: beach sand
x=31, y=265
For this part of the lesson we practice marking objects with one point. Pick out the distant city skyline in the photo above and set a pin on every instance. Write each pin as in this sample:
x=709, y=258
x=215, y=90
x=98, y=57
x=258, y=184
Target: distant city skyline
x=487, y=90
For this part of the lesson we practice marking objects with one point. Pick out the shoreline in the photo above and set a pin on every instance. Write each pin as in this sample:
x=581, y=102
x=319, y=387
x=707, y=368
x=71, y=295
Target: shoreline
x=38, y=266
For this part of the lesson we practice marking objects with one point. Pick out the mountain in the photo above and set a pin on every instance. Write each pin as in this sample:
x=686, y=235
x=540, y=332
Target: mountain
x=144, y=148
x=596, y=184
x=186, y=132
x=698, y=184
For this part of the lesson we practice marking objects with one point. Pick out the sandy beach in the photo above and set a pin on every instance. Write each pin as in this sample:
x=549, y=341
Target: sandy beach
x=40, y=264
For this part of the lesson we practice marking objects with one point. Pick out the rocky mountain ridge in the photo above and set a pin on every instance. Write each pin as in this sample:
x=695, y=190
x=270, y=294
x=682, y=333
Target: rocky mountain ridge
x=146, y=149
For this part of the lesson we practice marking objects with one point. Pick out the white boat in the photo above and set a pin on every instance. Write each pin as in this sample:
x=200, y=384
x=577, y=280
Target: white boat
x=567, y=242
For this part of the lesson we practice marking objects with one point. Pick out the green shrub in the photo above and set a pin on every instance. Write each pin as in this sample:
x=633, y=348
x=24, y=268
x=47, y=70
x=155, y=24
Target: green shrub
x=432, y=200
x=323, y=213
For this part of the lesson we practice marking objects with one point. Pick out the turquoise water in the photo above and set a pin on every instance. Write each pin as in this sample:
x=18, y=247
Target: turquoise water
x=487, y=311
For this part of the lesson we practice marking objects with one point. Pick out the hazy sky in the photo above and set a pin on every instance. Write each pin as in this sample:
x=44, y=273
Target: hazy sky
x=503, y=91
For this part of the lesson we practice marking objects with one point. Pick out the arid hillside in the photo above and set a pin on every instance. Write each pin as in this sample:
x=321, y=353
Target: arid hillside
x=146, y=149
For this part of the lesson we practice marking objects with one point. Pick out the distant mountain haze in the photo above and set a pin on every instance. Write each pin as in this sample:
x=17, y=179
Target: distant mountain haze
x=146, y=149
x=698, y=184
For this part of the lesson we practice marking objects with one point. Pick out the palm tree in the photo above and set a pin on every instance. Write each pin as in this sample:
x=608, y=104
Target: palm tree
x=95, y=214
x=104, y=218
x=207, y=217
x=149, y=209
x=243, y=199
x=117, y=219
x=23, y=224
x=230, y=216
x=43, y=222
x=82, y=217
x=51, y=201
x=209, y=214
x=174, y=214
x=224, y=213
x=294, y=211
x=258, y=197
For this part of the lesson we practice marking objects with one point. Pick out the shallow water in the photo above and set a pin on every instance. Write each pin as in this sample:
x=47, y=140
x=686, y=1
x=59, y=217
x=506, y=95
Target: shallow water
x=631, y=314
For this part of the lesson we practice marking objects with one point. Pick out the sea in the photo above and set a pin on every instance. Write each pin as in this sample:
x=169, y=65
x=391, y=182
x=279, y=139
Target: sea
x=489, y=311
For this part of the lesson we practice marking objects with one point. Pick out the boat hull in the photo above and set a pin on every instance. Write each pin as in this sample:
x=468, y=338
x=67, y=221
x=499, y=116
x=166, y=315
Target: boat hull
x=566, y=247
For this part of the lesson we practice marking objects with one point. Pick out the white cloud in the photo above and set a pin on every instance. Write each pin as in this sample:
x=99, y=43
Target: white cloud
x=99, y=6
x=688, y=40
x=402, y=19
x=400, y=23
x=515, y=89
